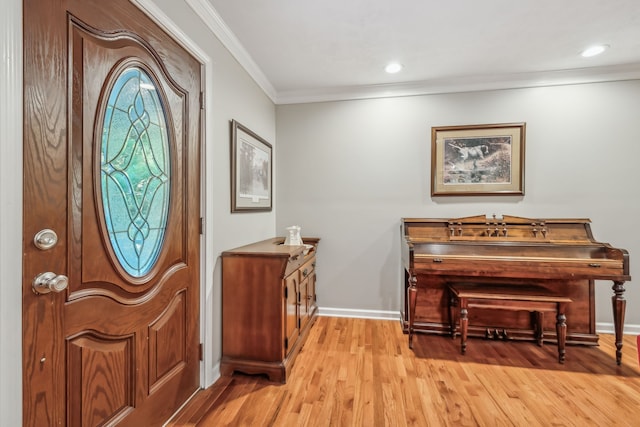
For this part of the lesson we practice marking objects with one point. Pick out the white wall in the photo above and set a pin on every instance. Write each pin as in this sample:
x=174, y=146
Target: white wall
x=348, y=171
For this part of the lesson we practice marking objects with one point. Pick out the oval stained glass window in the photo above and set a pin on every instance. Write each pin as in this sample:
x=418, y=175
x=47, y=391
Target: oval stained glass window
x=135, y=171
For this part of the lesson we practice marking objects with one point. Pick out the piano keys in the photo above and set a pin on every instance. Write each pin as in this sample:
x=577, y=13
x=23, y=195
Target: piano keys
x=558, y=254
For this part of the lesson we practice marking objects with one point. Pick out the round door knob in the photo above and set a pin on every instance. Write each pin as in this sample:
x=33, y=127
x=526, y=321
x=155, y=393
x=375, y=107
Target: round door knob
x=50, y=282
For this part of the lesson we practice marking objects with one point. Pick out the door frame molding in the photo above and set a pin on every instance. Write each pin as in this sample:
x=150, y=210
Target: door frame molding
x=11, y=170
x=208, y=371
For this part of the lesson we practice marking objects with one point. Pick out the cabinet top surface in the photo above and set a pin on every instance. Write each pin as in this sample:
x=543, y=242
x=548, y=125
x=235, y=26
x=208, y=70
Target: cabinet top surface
x=272, y=247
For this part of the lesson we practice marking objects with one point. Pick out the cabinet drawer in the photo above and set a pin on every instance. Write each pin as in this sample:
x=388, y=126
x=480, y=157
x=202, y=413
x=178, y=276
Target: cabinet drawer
x=307, y=268
x=294, y=263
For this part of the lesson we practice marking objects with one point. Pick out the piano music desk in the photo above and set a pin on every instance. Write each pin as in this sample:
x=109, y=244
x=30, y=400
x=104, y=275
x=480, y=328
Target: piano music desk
x=534, y=299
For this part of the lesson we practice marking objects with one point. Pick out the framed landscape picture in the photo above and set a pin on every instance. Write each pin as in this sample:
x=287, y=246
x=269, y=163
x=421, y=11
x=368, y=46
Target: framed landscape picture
x=478, y=160
x=251, y=171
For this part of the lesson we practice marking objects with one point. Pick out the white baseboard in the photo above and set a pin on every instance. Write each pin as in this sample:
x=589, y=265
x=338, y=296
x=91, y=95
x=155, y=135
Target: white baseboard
x=361, y=314
x=607, y=328
x=601, y=328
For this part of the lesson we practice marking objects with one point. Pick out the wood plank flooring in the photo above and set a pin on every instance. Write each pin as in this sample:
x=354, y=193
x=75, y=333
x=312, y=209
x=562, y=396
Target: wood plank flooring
x=358, y=372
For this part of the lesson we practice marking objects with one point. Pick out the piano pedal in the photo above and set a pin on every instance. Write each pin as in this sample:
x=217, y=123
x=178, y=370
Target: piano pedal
x=496, y=334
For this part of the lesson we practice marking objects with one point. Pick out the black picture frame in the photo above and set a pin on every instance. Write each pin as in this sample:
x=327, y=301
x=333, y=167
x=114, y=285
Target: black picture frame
x=251, y=171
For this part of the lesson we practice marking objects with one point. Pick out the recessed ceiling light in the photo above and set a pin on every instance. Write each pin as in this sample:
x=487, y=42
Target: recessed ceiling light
x=393, y=68
x=594, y=50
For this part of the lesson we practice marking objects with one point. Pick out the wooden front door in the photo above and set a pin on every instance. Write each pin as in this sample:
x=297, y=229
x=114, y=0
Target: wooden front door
x=111, y=216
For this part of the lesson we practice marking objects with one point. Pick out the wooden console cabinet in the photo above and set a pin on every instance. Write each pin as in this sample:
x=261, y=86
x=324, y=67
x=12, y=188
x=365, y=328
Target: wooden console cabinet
x=268, y=306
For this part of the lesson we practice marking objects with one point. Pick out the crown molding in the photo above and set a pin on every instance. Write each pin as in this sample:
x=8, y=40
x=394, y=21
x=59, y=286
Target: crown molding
x=215, y=23
x=464, y=84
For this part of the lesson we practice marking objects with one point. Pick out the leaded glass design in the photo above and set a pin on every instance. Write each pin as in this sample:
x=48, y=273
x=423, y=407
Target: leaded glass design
x=135, y=171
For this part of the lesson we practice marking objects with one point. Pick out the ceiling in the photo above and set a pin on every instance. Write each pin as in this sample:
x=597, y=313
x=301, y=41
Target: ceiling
x=305, y=50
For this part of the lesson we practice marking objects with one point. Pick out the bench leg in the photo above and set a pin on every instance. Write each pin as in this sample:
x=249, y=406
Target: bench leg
x=539, y=326
x=464, y=325
x=561, y=330
x=452, y=315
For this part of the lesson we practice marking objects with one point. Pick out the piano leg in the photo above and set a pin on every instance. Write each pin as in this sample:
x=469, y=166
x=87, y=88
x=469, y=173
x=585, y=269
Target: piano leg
x=619, y=306
x=412, y=293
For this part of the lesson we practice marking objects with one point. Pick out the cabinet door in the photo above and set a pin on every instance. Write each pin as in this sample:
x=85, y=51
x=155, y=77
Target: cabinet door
x=311, y=293
x=304, y=302
x=291, y=325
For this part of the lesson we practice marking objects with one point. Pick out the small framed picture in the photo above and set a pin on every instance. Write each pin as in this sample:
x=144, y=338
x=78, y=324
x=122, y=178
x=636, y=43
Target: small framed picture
x=477, y=160
x=251, y=171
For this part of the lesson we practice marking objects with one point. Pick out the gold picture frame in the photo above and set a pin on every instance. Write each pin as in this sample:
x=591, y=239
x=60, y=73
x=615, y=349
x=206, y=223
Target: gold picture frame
x=478, y=160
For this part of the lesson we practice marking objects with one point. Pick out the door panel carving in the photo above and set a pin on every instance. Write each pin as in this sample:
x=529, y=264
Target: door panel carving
x=100, y=378
x=166, y=338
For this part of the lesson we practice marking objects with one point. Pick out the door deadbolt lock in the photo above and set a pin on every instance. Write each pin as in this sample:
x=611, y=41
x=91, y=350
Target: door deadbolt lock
x=45, y=239
x=49, y=282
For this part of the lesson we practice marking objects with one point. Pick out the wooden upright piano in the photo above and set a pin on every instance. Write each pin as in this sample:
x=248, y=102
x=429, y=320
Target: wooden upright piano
x=557, y=254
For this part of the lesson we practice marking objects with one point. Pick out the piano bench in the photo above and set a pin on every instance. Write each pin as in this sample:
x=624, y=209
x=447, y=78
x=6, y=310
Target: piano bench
x=532, y=298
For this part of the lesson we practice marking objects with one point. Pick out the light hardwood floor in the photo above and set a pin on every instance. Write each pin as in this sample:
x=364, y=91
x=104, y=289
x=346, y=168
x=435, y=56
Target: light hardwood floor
x=357, y=372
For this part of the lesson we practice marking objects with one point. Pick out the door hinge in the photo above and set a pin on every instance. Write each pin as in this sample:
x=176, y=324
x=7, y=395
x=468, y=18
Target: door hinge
x=286, y=293
x=286, y=343
x=202, y=100
x=200, y=352
x=201, y=225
